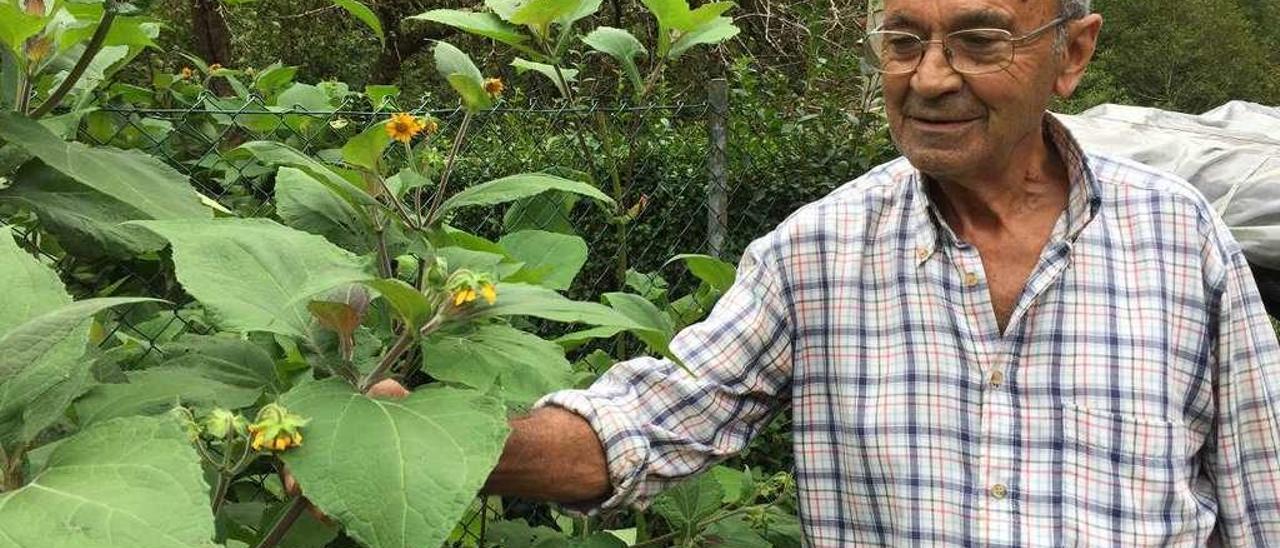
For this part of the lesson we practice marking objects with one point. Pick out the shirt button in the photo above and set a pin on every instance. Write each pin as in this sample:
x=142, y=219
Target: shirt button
x=970, y=279
x=999, y=491
x=996, y=378
x=922, y=254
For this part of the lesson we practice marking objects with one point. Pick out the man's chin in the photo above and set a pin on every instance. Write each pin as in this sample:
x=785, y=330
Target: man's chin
x=939, y=162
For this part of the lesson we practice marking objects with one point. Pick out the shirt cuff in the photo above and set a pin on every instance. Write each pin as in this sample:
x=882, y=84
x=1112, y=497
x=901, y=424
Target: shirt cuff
x=625, y=446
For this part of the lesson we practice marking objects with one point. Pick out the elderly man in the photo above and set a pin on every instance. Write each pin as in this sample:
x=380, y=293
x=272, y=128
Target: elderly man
x=997, y=340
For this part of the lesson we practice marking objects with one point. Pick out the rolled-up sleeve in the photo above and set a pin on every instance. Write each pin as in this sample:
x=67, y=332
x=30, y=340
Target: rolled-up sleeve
x=1243, y=461
x=659, y=424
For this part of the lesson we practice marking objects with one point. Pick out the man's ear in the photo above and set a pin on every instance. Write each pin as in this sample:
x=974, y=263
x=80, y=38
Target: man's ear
x=1082, y=40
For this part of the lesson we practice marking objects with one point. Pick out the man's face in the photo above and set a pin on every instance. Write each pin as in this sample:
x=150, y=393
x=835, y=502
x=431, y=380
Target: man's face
x=951, y=124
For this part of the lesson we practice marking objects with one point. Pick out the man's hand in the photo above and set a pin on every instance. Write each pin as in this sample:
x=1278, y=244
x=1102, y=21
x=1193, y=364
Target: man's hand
x=387, y=389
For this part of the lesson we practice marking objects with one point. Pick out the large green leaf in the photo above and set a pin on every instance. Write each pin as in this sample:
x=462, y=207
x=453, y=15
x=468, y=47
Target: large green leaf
x=713, y=32
x=690, y=502
x=365, y=150
x=41, y=369
x=16, y=26
x=657, y=328
x=304, y=203
x=280, y=154
x=623, y=47
x=539, y=14
x=715, y=272
x=365, y=15
x=156, y=390
x=129, y=176
x=133, y=482
x=522, y=364
x=540, y=302
x=31, y=288
x=676, y=15
x=560, y=79
x=255, y=274
x=462, y=74
x=395, y=473
x=413, y=306
x=484, y=24
x=550, y=259
x=85, y=221
x=231, y=360
x=519, y=186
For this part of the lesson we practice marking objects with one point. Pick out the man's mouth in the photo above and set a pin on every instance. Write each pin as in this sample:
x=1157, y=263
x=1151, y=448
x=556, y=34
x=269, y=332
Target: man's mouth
x=941, y=123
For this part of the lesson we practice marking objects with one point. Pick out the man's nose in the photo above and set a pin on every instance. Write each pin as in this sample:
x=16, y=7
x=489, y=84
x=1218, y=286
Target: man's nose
x=934, y=76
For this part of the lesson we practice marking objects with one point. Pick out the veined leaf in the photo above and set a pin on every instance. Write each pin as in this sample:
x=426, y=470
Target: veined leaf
x=156, y=390
x=550, y=259
x=395, y=473
x=690, y=502
x=365, y=15
x=462, y=74
x=280, y=154
x=539, y=14
x=562, y=84
x=525, y=366
x=365, y=150
x=623, y=47
x=540, y=302
x=255, y=274
x=85, y=221
x=16, y=26
x=130, y=482
x=41, y=369
x=31, y=288
x=488, y=25
x=519, y=186
x=304, y=203
x=714, y=32
x=715, y=272
x=676, y=15
x=129, y=176
x=413, y=306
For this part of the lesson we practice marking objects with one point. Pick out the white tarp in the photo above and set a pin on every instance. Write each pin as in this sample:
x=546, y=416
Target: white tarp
x=1231, y=154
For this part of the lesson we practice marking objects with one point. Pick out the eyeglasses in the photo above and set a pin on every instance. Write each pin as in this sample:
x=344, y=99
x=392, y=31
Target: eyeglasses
x=969, y=51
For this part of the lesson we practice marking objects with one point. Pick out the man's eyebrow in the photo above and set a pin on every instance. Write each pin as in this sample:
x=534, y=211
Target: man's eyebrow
x=898, y=21
x=987, y=19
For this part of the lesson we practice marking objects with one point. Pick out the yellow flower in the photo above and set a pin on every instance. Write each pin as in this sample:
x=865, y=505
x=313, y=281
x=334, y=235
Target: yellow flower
x=463, y=296
x=403, y=127
x=489, y=292
x=276, y=429
x=494, y=86
x=215, y=67
x=186, y=73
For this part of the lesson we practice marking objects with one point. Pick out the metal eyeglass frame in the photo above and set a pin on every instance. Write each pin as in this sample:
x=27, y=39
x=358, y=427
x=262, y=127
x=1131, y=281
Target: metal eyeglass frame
x=1014, y=43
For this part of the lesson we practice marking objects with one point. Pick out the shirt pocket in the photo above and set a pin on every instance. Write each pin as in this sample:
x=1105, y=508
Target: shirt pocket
x=1123, y=481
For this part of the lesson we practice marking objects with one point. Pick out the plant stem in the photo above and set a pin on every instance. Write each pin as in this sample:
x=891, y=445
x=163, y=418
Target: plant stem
x=448, y=169
x=224, y=480
x=282, y=525
x=90, y=51
x=13, y=477
x=380, y=234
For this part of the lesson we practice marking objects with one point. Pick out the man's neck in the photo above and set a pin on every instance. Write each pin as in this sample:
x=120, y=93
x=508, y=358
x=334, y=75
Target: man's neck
x=1032, y=187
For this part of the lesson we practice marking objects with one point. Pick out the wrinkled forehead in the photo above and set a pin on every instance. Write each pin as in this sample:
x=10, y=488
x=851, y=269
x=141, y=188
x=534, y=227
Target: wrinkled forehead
x=948, y=15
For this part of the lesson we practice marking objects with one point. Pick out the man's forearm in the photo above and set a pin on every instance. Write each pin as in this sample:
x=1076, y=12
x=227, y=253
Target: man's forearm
x=552, y=454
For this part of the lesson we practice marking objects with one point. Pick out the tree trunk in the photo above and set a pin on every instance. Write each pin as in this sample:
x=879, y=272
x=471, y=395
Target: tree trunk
x=212, y=37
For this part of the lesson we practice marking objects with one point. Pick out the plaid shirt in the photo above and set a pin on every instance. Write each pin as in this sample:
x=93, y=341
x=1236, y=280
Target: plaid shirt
x=1131, y=400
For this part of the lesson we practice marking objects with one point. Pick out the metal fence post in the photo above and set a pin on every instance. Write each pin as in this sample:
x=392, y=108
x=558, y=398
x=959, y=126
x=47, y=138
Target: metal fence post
x=717, y=167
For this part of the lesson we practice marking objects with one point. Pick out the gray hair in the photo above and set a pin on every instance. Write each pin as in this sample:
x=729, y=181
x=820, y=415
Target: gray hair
x=1069, y=10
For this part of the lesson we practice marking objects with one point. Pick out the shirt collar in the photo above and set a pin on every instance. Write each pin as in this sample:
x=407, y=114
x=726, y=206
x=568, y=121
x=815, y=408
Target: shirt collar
x=1084, y=198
